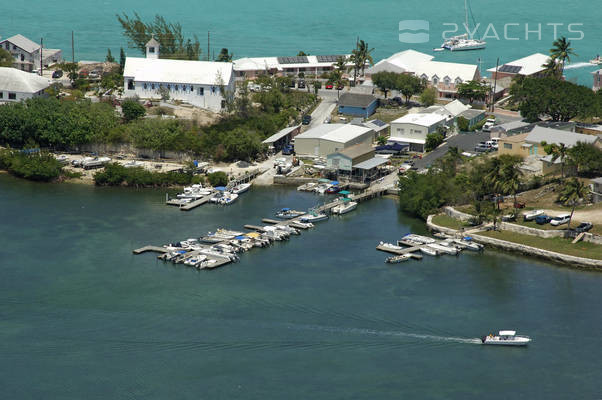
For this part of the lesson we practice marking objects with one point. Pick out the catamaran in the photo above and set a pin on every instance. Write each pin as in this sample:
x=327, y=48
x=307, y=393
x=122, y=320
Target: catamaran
x=464, y=42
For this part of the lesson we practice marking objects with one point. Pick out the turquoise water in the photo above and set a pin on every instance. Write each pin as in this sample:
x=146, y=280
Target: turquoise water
x=320, y=316
x=266, y=28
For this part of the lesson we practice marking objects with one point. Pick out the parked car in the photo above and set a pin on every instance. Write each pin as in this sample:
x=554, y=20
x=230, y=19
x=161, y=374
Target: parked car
x=482, y=148
x=57, y=74
x=306, y=119
x=584, y=227
x=492, y=144
x=560, y=220
x=340, y=87
x=542, y=219
x=301, y=84
x=329, y=86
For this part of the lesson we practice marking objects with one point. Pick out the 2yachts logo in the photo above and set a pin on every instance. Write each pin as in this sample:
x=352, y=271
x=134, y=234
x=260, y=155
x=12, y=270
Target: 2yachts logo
x=414, y=31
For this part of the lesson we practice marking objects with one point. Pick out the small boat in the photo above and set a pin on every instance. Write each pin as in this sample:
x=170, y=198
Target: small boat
x=241, y=188
x=228, y=198
x=322, y=188
x=398, y=259
x=506, y=338
x=389, y=246
x=302, y=225
x=467, y=243
x=314, y=217
x=287, y=213
x=307, y=187
x=531, y=215
x=439, y=49
x=333, y=190
x=596, y=61
x=443, y=249
x=62, y=159
x=346, y=206
x=429, y=251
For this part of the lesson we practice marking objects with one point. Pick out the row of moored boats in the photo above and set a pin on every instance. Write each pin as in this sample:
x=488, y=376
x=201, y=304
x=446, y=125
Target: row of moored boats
x=219, y=195
x=429, y=246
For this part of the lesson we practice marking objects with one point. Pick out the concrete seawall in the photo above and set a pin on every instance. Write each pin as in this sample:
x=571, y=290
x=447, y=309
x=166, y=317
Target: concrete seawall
x=567, y=260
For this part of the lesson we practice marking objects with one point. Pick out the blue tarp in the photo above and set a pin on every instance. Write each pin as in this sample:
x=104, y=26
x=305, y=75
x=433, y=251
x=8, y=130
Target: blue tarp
x=334, y=182
x=220, y=188
x=240, y=237
x=467, y=238
x=286, y=209
x=196, y=163
x=182, y=251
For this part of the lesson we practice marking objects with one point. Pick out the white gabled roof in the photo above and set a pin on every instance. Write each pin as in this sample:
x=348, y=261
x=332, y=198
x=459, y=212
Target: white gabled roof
x=177, y=71
x=420, y=119
x=556, y=136
x=529, y=65
x=256, y=64
x=466, y=72
x=404, y=61
x=340, y=133
x=22, y=42
x=14, y=80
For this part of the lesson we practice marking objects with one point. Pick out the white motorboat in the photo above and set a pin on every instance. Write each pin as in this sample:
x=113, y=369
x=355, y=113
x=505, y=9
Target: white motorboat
x=398, y=259
x=308, y=187
x=303, y=225
x=241, y=188
x=62, y=159
x=531, y=215
x=506, y=338
x=389, y=246
x=133, y=164
x=194, y=192
x=429, y=251
x=314, y=217
x=322, y=188
x=443, y=249
x=228, y=198
x=418, y=238
x=346, y=206
x=287, y=213
x=467, y=243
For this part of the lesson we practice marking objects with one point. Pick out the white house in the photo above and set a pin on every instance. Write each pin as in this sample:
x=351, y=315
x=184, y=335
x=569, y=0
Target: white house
x=413, y=129
x=16, y=85
x=198, y=83
x=252, y=67
x=532, y=65
x=326, y=139
x=444, y=76
x=27, y=53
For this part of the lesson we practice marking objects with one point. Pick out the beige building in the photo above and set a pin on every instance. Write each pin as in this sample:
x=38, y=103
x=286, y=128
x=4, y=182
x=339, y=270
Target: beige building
x=326, y=139
x=346, y=159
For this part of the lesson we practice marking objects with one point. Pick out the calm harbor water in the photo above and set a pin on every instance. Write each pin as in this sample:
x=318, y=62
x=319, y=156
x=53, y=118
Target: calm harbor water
x=320, y=316
x=267, y=28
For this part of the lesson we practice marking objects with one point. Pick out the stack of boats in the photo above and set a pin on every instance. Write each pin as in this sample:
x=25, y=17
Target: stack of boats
x=219, y=195
x=323, y=186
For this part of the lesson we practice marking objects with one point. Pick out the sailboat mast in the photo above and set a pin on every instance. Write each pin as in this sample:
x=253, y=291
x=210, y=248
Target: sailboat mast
x=466, y=14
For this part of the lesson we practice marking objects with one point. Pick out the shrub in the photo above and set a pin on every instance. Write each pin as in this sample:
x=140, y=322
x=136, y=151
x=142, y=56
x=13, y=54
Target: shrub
x=39, y=166
x=132, y=110
x=463, y=124
x=218, y=178
x=432, y=141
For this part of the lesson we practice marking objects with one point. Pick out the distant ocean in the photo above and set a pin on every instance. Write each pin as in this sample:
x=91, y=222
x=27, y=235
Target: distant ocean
x=267, y=28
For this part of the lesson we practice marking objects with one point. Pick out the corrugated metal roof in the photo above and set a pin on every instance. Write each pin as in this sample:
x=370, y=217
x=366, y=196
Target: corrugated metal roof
x=356, y=100
x=177, y=71
x=341, y=133
x=280, y=134
x=371, y=163
x=22, y=42
x=539, y=134
x=355, y=151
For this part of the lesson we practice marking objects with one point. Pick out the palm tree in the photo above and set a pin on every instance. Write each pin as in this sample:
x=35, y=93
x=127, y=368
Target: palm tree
x=573, y=191
x=341, y=65
x=559, y=151
x=562, y=51
x=551, y=68
x=364, y=53
x=381, y=140
x=510, y=179
x=453, y=156
x=356, y=59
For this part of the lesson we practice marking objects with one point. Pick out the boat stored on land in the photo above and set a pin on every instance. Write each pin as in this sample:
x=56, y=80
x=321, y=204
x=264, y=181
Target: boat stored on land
x=506, y=338
x=531, y=215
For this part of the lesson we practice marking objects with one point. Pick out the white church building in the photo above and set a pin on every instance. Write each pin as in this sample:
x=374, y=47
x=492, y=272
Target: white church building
x=195, y=82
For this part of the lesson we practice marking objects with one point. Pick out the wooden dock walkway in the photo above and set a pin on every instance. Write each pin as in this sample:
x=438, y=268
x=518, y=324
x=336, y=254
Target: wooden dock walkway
x=196, y=203
x=156, y=249
x=409, y=250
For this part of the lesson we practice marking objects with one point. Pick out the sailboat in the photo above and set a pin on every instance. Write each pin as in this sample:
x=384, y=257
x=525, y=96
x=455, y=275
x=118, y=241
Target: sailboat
x=464, y=42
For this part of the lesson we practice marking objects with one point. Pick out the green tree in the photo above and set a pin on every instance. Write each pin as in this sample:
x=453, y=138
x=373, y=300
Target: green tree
x=428, y=96
x=218, y=178
x=433, y=140
x=169, y=35
x=317, y=86
x=364, y=54
x=71, y=70
x=587, y=157
x=552, y=68
x=571, y=193
x=473, y=90
x=409, y=85
x=385, y=81
x=381, y=140
x=558, y=151
x=121, y=60
x=109, y=57
x=224, y=56
x=6, y=59
x=132, y=110
x=301, y=53
x=562, y=51
x=463, y=124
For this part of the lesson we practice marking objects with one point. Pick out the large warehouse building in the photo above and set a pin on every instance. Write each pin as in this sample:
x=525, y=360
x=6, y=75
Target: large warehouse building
x=330, y=138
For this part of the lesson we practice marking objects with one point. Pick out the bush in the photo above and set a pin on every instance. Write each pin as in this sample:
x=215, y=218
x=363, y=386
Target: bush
x=39, y=166
x=433, y=140
x=463, y=124
x=117, y=175
x=428, y=96
x=132, y=110
x=218, y=178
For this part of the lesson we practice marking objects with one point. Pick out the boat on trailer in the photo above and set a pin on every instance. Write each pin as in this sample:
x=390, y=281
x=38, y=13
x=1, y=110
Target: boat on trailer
x=506, y=338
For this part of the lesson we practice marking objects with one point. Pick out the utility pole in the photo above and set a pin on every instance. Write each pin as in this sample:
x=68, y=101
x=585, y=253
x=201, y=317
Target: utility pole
x=41, y=56
x=72, y=49
x=208, y=44
x=497, y=63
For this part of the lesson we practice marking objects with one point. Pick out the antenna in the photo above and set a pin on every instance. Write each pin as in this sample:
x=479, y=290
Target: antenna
x=41, y=58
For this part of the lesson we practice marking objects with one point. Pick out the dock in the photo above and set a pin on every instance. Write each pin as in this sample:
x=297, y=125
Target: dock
x=398, y=252
x=145, y=249
x=196, y=203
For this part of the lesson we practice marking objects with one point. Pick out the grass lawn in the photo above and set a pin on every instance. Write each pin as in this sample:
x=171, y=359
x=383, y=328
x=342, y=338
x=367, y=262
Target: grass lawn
x=558, y=245
x=389, y=114
x=449, y=222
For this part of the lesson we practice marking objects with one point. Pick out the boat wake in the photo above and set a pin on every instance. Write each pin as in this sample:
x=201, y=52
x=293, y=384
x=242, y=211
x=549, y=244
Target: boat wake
x=579, y=65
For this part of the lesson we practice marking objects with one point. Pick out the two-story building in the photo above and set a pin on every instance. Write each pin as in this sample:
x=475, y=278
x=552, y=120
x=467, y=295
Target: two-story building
x=203, y=84
x=28, y=55
x=413, y=129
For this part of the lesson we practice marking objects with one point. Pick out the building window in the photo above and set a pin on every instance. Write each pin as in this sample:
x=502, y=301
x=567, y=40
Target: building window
x=151, y=49
x=168, y=86
x=22, y=57
x=212, y=89
x=201, y=91
x=12, y=96
x=14, y=47
x=145, y=85
x=130, y=84
x=153, y=86
x=508, y=146
x=176, y=88
x=1, y=95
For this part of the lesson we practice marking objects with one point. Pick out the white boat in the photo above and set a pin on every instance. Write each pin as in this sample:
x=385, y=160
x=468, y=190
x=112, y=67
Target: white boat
x=469, y=244
x=398, y=259
x=463, y=42
x=241, y=188
x=228, y=198
x=287, y=213
x=443, y=249
x=322, y=188
x=303, y=225
x=344, y=207
x=133, y=164
x=596, y=61
x=418, y=238
x=390, y=246
x=308, y=187
x=429, y=251
x=506, y=338
x=531, y=215
x=62, y=159
x=314, y=217
x=96, y=162
x=194, y=192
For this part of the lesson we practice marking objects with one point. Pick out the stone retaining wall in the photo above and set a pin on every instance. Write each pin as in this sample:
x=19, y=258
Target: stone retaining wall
x=452, y=212
x=285, y=180
x=526, y=230
x=591, y=238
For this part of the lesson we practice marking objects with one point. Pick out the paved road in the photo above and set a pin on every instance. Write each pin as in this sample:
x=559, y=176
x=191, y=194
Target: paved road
x=322, y=111
x=463, y=141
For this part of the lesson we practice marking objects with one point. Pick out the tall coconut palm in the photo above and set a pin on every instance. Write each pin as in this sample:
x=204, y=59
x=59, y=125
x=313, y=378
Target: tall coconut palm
x=559, y=151
x=510, y=178
x=364, y=54
x=551, y=68
x=562, y=51
x=572, y=192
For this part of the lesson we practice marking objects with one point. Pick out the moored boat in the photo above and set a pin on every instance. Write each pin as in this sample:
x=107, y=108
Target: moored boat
x=429, y=251
x=241, y=188
x=287, y=213
x=398, y=259
x=443, y=249
x=314, y=217
x=506, y=338
x=346, y=206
